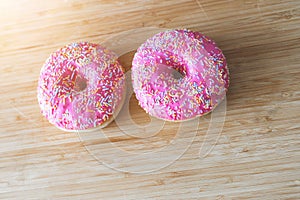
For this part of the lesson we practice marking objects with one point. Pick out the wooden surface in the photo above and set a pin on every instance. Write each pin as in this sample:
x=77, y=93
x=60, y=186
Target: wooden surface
x=257, y=155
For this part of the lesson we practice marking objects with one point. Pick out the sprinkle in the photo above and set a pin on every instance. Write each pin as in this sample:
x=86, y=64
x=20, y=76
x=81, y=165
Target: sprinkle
x=58, y=77
x=192, y=55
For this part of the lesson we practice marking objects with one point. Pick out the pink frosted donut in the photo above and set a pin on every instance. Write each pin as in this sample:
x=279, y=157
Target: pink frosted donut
x=81, y=86
x=179, y=75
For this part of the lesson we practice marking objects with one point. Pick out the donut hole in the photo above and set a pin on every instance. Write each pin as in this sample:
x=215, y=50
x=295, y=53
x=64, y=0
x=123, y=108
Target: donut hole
x=176, y=74
x=171, y=65
x=80, y=84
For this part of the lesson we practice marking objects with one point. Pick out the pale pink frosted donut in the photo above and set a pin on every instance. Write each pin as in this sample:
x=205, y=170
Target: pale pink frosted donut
x=81, y=86
x=202, y=66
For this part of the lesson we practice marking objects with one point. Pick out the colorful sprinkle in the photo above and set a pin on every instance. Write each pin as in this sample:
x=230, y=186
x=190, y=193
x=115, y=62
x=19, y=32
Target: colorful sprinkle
x=179, y=75
x=80, y=86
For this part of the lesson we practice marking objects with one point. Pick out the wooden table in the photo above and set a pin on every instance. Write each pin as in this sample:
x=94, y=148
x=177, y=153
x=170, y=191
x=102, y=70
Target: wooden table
x=256, y=155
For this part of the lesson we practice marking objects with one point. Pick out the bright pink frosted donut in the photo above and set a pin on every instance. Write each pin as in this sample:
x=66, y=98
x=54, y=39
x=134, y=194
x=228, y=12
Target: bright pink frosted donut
x=202, y=66
x=81, y=86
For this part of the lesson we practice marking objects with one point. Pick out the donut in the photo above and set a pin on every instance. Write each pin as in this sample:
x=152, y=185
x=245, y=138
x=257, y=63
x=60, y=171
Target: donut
x=178, y=75
x=81, y=87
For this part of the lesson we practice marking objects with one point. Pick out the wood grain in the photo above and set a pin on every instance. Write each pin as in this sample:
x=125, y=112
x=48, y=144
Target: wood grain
x=257, y=156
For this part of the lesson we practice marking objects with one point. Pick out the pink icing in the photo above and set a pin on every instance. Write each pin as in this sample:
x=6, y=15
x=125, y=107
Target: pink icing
x=80, y=86
x=179, y=75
